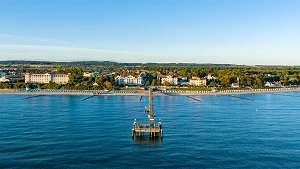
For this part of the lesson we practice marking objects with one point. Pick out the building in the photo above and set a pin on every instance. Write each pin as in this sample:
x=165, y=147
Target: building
x=130, y=80
x=173, y=80
x=235, y=85
x=273, y=84
x=196, y=81
x=183, y=81
x=59, y=78
x=12, y=78
x=211, y=78
x=91, y=74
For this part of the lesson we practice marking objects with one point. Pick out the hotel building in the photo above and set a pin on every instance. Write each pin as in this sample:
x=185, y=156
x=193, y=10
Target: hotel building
x=59, y=78
x=196, y=81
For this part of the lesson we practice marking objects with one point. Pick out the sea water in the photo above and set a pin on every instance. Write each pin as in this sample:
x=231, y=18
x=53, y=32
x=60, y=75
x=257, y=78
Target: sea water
x=61, y=131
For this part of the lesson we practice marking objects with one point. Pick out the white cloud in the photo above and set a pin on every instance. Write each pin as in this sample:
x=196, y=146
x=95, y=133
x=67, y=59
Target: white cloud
x=34, y=39
x=57, y=53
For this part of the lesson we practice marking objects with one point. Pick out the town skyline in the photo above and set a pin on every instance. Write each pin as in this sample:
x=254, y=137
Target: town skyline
x=218, y=32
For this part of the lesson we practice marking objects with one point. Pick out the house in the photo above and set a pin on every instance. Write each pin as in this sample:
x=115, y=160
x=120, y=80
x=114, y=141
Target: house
x=130, y=80
x=91, y=74
x=196, y=81
x=4, y=79
x=235, y=85
x=211, y=78
x=272, y=84
x=173, y=80
x=12, y=78
x=86, y=83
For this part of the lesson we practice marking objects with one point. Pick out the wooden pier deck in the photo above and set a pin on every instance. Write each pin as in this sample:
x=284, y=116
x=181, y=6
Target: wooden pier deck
x=140, y=129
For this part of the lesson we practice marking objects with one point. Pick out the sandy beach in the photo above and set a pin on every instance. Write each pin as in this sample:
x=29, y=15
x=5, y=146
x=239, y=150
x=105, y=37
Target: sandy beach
x=142, y=92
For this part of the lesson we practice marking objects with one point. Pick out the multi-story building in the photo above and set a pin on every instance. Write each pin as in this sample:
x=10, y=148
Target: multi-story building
x=196, y=81
x=60, y=78
x=91, y=74
x=129, y=80
x=173, y=80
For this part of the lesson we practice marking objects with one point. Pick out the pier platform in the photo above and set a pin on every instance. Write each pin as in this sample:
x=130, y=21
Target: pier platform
x=154, y=130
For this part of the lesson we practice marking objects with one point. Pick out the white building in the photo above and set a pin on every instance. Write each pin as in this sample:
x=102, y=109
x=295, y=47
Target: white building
x=11, y=78
x=60, y=78
x=91, y=74
x=4, y=79
x=235, y=85
x=210, y=77
x=196, y=81
x=173, y=80
x=129, y=80
x=272, y=84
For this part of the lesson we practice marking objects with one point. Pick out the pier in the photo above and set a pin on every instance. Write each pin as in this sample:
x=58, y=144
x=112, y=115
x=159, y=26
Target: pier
x=153, y=129
x=239, y=97
x=32, y=97
x=194, y=98
x=88, y=97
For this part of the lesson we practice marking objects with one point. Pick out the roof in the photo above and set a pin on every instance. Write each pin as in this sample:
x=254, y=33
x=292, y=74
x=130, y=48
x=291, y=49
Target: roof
x=167, y=76
x=235, y=84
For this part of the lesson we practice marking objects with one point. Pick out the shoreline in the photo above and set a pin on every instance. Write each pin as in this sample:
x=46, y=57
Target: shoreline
x=143, y=93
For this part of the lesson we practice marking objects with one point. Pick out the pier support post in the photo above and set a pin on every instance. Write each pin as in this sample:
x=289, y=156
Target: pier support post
x=132, y=134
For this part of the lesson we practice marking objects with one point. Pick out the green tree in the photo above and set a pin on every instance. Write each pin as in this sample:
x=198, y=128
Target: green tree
x=213, y=84
x=225, y=80
x=153, y=83
x=249, y=81
x=147, y=83
x=72, y=79
x=259, y=82
x=154, y=75
x=166, y=83
x=108, y=85
x=158, y=83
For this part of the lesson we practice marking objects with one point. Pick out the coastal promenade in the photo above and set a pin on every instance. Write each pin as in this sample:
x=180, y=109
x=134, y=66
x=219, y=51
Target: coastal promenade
x=142, y=92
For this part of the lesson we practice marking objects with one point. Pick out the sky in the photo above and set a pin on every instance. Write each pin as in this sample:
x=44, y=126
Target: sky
x=250, y=32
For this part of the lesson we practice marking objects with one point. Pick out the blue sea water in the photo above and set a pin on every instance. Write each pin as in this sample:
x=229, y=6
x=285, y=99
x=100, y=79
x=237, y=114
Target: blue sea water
x=219, y=132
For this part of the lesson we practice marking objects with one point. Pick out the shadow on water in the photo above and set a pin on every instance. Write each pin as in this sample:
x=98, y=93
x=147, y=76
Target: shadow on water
x=147, y=140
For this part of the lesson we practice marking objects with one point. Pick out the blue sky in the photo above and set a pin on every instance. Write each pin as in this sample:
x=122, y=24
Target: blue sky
x=198, y=31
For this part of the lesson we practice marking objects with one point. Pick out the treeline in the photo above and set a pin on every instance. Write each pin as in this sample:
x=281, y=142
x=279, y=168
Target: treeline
x=99, y=63
x=246, y=76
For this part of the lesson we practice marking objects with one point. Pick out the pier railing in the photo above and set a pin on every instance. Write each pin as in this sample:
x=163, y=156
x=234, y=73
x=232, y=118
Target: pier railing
x=146, y=126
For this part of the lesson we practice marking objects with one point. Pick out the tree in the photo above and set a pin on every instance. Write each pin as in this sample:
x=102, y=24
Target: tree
x=212, y=84
x=259, y=82
x=153, y=82
x=154, y=75
x=147, y=83
x=225, y=80
x=108, y=85
x=158, y=83
x=166, y=83
x=249, y=81
x=71, y=79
